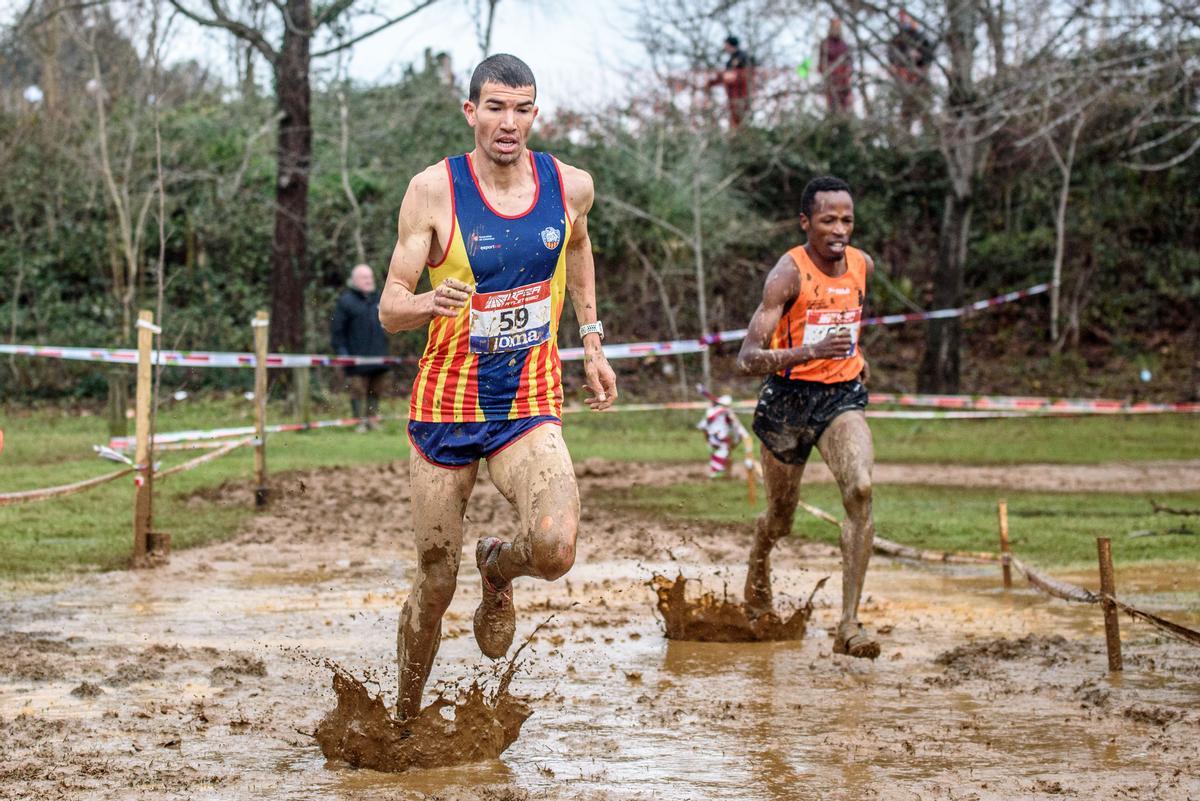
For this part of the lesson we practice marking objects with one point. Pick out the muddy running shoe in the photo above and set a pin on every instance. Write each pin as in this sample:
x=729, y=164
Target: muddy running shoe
x=495, y=617
x=854, y=641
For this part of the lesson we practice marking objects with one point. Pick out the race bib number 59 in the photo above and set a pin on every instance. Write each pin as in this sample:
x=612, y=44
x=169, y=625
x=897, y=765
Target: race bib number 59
x=820, y=323
x=512, y=319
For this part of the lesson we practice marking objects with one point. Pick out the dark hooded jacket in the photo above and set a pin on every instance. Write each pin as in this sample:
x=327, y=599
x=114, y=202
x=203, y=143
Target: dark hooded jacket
x=355, y=330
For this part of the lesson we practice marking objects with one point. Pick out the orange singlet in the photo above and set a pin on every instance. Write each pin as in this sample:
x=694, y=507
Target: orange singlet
x=823, y=304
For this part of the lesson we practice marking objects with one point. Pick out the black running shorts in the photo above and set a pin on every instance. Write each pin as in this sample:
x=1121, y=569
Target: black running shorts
x=792, y=415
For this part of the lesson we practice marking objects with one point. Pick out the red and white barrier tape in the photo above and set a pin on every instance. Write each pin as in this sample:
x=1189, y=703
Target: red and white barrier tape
x=997, y=403
x=629, y=350
x=181, y=358
x=636, y=349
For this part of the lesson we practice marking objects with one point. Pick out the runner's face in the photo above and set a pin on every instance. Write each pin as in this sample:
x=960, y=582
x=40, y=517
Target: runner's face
x=502, y=120
x=831, y=224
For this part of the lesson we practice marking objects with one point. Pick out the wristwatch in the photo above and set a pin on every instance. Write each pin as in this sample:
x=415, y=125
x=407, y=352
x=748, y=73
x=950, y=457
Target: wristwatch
x=592, y=328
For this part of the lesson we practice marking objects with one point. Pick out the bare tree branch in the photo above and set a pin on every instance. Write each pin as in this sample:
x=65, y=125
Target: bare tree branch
x=239, y=29
x=421, y=6
x=1169, y=163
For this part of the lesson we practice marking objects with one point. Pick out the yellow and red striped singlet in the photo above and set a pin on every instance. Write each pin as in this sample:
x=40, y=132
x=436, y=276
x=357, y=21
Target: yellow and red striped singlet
x=498, y=359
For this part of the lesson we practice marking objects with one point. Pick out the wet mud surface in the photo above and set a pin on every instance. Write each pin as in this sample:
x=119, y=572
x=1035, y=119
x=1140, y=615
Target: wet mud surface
x=201, y=679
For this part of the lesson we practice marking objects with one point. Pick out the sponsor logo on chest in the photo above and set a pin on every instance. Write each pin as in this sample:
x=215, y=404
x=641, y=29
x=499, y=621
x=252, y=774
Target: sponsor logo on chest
x=515, y=297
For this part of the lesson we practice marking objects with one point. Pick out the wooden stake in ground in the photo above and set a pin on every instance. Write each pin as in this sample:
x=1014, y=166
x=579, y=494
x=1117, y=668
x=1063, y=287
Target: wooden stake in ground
x=1108, y=591
x=1005, y=553
x=261, y=325
x=143, y=513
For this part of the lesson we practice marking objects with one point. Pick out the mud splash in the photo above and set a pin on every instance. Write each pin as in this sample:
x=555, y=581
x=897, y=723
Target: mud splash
x=473, y=727
x=712, y=619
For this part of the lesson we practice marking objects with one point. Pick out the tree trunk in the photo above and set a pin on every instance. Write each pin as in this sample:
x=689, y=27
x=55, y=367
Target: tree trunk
x=940, y=366
x=1195, y=389
x=701, y=282
x=289, y=248
x=964, y=154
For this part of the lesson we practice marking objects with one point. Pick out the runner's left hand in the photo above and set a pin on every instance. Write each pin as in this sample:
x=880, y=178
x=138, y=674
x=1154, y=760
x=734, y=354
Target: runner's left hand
x=601, y=381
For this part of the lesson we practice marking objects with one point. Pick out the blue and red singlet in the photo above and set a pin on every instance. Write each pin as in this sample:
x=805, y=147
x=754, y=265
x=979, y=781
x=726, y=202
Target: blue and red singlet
x=493, y=372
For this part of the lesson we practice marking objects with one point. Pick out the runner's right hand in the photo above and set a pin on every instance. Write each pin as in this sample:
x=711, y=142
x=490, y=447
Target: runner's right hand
x=835, y=345
x=450, y=297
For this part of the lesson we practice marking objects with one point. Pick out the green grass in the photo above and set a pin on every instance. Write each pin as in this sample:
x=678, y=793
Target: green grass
x=661, y=436
x=92, y=530
x=1047, y=528
x=1054, y=440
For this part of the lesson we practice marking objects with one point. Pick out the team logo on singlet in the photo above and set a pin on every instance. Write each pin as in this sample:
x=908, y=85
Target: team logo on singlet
x=551, y=237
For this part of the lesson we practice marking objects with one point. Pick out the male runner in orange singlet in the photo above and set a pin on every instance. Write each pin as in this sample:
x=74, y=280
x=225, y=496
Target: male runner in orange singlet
x=503, y=232
x=804, y=338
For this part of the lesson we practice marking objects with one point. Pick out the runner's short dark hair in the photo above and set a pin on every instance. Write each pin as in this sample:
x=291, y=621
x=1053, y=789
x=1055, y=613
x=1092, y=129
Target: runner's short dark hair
x=826, y=183
x=503, y=69
x=732, y=41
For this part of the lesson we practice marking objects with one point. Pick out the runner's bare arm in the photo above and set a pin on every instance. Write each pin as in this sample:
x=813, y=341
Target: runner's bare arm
x=400, y=307
x=581, y=284
x=756, y=356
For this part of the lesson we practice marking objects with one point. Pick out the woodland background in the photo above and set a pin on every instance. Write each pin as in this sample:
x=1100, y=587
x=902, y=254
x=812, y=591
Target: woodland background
x=1050, y=134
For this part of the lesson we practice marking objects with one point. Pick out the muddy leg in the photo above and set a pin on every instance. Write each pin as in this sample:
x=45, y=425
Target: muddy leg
x=783, y=491
x=439, y=500
x=847, y=448
x=536, y=475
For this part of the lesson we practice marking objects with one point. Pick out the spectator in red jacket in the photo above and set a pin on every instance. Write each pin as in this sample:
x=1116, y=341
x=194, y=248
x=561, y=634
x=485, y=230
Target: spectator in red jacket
x=837, y=67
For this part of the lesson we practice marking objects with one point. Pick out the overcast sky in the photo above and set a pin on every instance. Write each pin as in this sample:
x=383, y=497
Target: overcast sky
x=581, y=53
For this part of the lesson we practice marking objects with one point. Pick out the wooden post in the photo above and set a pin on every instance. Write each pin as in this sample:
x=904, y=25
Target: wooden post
x=1112, y=625
x=261, y=324
x=143, y=513
x=301, y=378
x=1005, y=553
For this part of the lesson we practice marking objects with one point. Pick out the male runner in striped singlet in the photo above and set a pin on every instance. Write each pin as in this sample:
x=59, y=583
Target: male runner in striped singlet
x=503, y=232
x=804, y=338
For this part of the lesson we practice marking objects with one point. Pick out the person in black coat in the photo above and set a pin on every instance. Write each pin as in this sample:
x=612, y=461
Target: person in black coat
x=355, y=331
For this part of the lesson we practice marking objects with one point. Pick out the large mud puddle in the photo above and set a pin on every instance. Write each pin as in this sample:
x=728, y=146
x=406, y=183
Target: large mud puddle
x=197, y=681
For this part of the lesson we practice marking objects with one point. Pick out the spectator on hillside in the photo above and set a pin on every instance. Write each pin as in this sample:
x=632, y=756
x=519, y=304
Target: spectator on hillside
x=910, y=53
x=736, y=78
x=837, y=67
x=355, y=331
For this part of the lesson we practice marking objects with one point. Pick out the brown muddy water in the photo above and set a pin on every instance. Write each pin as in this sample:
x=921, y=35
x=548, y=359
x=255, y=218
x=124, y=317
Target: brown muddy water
x=203, y=679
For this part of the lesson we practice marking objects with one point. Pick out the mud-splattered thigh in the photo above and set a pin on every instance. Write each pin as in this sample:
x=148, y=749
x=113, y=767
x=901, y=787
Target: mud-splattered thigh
x=536, y=474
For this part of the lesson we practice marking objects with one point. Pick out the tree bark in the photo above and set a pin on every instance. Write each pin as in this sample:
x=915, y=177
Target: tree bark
x=940, y=367
x=964, y=154
x=289, y=247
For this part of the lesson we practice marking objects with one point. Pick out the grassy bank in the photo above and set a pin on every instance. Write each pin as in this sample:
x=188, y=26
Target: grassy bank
x=1048, y=528
x=91, y=530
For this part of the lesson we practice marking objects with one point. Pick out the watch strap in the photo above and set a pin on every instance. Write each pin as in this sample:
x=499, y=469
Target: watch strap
x=592, y=328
